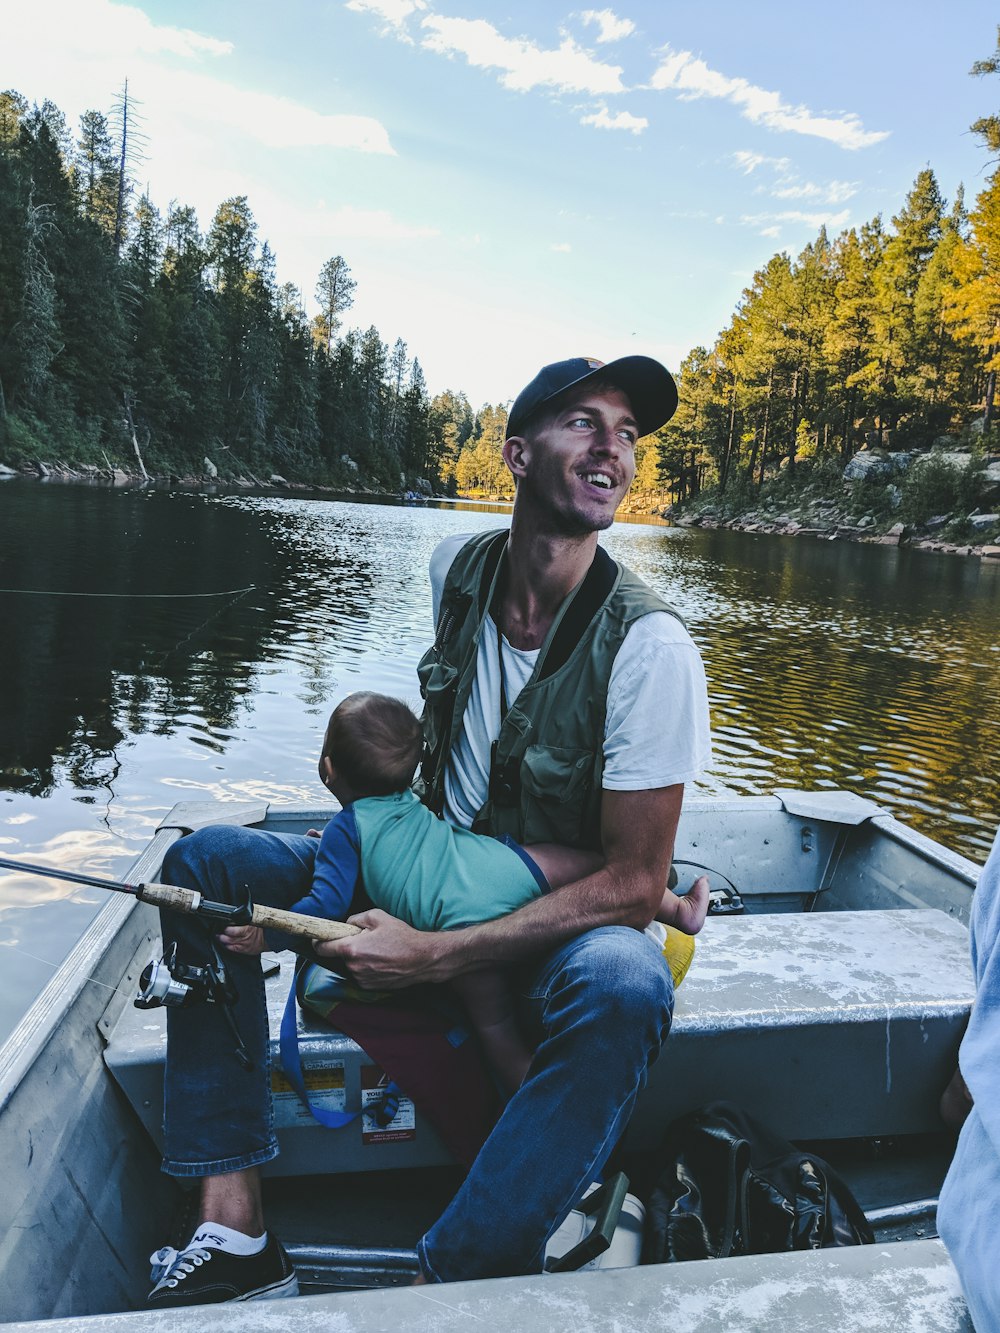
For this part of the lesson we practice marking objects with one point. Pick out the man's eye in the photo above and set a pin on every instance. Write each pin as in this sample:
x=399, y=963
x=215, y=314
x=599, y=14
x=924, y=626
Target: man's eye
x=581, y=421
x=628, y=436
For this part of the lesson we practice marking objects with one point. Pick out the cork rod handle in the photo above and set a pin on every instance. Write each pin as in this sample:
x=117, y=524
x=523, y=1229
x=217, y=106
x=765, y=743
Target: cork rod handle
x=176, y=899
x=309, y=927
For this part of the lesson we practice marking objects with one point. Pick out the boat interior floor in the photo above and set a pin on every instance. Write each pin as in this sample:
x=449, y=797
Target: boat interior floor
x=358, y=1231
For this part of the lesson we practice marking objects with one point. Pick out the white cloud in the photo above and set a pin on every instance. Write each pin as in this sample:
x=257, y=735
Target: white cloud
x=788, y=185
x=100, y=28
x=749, y=162
x=278, y=122
x=522, y=64
x=770, y=231
x=621, y=120
x=94, y=41
x=833, y=192
x=393, y=13
x=612, y=28
x=814, y=220
x=692, y=78
x=561, y=247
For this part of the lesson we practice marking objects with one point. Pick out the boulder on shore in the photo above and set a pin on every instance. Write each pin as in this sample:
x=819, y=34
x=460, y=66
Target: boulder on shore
x=867, y=466
x=210, y=469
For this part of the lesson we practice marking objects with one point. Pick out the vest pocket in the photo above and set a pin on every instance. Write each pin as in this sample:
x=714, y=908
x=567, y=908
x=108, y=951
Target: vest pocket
x=438, y=680
x=555, y=789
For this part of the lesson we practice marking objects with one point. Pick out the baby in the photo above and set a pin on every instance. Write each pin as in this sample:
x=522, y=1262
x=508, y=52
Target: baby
x=431, y=874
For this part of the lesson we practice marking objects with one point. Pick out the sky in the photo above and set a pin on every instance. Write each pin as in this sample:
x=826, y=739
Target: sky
x=514, y=183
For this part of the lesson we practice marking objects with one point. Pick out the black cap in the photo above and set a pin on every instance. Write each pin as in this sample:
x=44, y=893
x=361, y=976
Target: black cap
x=650, y=387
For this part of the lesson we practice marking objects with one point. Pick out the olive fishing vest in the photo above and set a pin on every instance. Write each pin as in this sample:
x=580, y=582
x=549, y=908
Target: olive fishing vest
x=548, y=761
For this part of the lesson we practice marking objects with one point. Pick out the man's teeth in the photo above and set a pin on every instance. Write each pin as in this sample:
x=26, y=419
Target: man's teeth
x=598, y=479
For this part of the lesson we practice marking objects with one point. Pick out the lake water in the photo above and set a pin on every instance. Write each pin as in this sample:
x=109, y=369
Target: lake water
x=160, y=647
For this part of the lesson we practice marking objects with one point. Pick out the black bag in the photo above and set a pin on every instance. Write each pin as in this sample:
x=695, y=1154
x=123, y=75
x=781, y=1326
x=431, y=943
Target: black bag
x=724, y=1185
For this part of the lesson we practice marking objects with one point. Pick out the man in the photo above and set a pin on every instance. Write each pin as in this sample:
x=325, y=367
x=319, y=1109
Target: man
x=969, y=1210
x=564, y=703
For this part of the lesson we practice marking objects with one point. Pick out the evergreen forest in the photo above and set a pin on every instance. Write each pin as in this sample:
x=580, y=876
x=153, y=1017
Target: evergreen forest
x=131, y=339
x=885, y=336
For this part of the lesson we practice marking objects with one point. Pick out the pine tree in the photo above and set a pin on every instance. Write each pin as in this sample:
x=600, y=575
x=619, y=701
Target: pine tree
x=988, y=127
x=335, y=293
x=96, y=173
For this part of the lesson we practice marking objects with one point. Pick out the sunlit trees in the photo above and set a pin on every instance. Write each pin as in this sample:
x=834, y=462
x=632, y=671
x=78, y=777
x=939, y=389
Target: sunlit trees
x=480, y=466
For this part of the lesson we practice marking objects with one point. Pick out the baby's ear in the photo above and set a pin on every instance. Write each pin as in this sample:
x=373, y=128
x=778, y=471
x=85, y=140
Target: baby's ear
x=326, y=773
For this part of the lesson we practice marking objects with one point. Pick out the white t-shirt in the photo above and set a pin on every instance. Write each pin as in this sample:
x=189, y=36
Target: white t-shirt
x=656, y=731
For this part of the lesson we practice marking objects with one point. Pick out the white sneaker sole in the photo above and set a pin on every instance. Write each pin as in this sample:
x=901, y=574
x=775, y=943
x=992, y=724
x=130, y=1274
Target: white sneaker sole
x=288, y=1286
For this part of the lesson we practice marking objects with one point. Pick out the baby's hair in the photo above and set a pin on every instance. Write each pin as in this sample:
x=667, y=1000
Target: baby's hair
x=374, y=742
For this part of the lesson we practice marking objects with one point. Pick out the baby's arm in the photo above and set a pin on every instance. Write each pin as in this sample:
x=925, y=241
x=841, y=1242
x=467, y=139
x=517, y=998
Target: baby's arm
x=334, y=876
x=563, y=865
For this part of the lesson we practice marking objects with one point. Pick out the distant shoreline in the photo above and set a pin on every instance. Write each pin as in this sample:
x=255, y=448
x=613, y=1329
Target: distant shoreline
x=897, y=535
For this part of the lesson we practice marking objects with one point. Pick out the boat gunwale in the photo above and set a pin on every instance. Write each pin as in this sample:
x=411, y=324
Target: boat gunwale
x=41, y=1021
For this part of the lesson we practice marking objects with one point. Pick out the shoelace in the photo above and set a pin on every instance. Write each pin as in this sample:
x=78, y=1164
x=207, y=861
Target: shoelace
x=171, y=1266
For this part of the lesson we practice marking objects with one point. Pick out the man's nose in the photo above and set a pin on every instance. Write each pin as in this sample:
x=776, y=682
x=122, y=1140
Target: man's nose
x=608, y=441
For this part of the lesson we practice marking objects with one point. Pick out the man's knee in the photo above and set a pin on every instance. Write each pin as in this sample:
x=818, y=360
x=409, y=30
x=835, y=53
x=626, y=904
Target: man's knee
x=622, y=979
x=201, y=857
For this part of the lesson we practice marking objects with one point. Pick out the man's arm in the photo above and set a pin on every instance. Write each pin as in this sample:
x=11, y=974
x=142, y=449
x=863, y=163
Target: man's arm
x=637, y=831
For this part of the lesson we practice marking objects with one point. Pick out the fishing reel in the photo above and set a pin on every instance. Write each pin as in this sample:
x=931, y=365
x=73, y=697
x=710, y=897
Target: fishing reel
x=169, y=983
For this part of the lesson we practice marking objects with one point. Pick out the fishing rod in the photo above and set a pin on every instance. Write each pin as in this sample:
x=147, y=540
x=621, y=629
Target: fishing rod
x=192, y=903
x=175, y=984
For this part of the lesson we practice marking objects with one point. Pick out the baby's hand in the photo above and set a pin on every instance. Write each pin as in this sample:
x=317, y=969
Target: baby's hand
x=242, y=939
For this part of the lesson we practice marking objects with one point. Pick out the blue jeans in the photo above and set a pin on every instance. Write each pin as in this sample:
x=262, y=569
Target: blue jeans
x=598, y=1007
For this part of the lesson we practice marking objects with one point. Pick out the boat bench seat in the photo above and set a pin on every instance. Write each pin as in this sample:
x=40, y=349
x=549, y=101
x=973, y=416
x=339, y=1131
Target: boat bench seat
x=824, y=1025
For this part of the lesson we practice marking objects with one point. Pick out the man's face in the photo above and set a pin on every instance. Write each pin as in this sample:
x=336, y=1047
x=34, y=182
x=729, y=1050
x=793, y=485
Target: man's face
x=577, y=464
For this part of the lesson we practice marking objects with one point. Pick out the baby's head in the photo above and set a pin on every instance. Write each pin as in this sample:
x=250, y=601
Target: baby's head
x=371, y=747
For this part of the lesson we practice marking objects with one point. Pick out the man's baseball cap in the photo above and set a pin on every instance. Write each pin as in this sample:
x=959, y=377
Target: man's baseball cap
x=650, y=388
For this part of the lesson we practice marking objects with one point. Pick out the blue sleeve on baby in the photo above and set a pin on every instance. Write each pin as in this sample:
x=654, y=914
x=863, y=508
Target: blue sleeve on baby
x=337, y=869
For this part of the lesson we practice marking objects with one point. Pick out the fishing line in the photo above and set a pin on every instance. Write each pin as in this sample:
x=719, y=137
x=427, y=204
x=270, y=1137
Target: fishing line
x=236, y=595
x=135, y=596
x=115, y=990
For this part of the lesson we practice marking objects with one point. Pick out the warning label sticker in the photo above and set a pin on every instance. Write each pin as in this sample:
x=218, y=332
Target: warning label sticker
x=374, y=1127
x=324, y=1084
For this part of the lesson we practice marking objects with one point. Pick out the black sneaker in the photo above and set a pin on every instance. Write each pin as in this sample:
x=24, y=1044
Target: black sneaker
x=202, y=1274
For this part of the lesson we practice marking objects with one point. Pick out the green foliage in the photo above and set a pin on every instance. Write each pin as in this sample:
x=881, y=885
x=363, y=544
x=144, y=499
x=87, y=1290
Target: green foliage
x=933, y=486
x=108, y=322
x=987, y=128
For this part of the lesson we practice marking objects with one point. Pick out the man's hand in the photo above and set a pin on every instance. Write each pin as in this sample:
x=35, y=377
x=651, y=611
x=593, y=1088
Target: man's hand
x=389, y=954
x=637, y=829
x=242, y=939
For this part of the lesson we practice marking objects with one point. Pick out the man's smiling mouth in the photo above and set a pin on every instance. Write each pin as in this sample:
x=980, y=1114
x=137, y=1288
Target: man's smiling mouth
x=599, y=479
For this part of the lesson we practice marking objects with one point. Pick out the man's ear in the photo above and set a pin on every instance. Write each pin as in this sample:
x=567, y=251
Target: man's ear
x=326, y=772
x=517, y=455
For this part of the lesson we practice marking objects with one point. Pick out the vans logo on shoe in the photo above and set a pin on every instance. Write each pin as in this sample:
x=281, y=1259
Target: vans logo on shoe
x=208, y=1237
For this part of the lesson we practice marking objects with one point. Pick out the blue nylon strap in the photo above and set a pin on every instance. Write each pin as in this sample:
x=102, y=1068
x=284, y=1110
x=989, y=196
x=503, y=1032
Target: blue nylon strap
x=291, y=1064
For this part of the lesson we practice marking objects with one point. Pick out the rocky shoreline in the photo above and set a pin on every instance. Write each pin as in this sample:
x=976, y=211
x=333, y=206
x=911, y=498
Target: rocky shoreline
x=880, y=498
x=89, y=474
x=897, y=535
